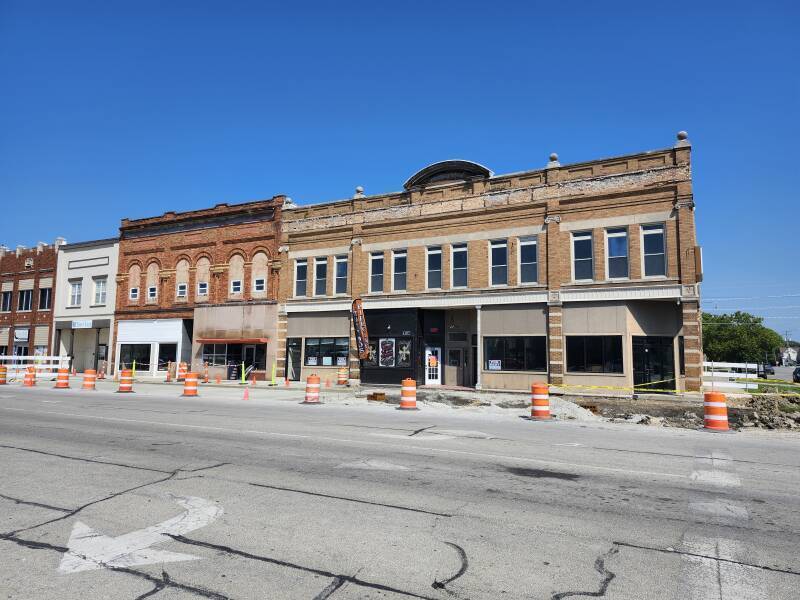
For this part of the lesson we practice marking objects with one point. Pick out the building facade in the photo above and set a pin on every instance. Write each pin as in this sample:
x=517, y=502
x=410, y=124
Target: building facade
x=581, y=274
x=26, y=299
x=199, y=287
x=85, y=295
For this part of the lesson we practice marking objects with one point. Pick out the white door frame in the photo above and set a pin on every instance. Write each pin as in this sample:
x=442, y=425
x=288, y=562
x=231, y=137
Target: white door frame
x=433, y=374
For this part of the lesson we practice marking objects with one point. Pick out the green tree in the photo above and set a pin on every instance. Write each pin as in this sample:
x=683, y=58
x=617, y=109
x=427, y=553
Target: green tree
x=738, y=337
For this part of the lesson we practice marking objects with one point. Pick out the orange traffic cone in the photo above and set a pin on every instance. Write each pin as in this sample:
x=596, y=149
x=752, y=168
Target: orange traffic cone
x=219, y=380
x=246, y=394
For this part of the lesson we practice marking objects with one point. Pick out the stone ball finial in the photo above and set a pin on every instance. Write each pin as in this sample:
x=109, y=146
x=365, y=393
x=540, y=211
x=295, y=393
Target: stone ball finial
x=682, y=135
x=359, y=189
x=553, y=157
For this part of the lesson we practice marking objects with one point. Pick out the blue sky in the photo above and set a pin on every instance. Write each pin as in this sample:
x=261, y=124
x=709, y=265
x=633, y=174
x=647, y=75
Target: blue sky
x=129, y=109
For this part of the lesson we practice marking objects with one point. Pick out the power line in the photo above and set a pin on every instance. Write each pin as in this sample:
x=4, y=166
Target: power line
x=752, y=297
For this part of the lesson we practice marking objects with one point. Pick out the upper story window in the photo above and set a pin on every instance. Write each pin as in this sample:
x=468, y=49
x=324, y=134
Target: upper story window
x=376, y=272
x=498, y=262
x=528, y=260
x=300, y=277
x=75, y=292
x=236, y=286
x=259, y=271
x=134, y=281
x=654, y=251
x=582, y=256
x=399, y=270
x=340, y=265
x=434, y=262
x=202, y=288
x=181, y=291
x=100, y=290
x=202, y=276
x=320, y=276
x=45, y=298
x=259, y=284
x=617, y=253
x=134, y=293
x=459, y=265
x=24, y=300
x=5, y=302
x=152, y=292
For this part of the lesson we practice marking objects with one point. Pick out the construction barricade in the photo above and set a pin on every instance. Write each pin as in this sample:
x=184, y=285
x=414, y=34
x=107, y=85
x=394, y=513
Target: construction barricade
x=190, y=384
x=540, y=402
x=408, y=395
x=89, y=379
x=62, y=379
x=125, y=381
x=312, y=390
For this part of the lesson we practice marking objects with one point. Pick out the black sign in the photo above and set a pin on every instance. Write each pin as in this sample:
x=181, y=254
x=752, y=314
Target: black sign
x=360, y=328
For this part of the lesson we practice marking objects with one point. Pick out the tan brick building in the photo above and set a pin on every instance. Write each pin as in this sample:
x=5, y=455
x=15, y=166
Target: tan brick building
x=199, y=286
x=581, y=274
x=26, y=299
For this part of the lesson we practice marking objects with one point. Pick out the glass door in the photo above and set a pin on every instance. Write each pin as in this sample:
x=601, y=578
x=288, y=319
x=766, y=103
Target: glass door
x=294, y=348
x=653, y=363
x=433, y=365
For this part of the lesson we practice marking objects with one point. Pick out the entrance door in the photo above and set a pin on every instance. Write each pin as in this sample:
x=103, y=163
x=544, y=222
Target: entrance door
x=294, y=348
x=249, y=356
x=455, y=365
x=653, y=363
x=433, y=365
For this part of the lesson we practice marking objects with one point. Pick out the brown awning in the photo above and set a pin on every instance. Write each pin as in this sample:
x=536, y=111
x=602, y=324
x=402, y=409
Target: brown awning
x=233, y=340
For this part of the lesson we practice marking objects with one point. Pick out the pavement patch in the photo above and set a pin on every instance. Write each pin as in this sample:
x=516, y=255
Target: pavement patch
x=542, y=474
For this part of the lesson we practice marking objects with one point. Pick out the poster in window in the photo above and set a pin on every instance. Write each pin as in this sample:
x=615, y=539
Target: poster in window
x=494, y=365
x=372, y=355
x=311, y=361
x=341, y=361
x=386, y=349
x=327, y=361
x=404, y=353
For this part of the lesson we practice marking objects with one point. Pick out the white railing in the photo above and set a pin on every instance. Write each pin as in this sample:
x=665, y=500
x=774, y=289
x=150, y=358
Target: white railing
x=44, y=366
x=728, y=376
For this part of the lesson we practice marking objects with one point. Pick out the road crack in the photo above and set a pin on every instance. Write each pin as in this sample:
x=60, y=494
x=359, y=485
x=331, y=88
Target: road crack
x=600, y=567
x=37, y=504
x=352, y=579
x=81, y=459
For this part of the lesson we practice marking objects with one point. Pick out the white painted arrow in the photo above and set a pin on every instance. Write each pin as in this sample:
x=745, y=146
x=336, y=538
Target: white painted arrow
x=89, y=549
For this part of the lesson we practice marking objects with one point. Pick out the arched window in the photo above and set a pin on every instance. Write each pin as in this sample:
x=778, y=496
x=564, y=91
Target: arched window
x=236, y=275
x=152, y=282
x=260, y=280
x=182, y=280
x=134, y=283
x=203, y=275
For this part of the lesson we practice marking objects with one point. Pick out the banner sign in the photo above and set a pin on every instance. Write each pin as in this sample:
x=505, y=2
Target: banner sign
x=82, y=324
x=360, y=328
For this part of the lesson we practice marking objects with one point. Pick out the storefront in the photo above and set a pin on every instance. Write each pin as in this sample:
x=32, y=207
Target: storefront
x=153, y=344
x=317, y=343
x=85, y=340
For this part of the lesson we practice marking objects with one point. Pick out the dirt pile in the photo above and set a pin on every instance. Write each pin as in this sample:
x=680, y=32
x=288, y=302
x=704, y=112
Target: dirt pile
x=770, y=411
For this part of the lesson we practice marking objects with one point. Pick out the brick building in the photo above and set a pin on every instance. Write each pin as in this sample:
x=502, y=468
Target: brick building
x=26, y=299
x=581, y=274
x=198, y=287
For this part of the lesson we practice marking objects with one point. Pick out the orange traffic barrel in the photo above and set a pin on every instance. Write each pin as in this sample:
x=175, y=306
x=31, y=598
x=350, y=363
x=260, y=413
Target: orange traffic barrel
x=182, y=368
x=190, y=384
x=408, y=395
x=205, y=372
x=716, y=412
x=3, y=374
x=125, y=381
x=89, y=379
x=540, y=402
x=341, y=376
x=312, y=390
x=62, y=379
x=30, y=377
x=101, y=374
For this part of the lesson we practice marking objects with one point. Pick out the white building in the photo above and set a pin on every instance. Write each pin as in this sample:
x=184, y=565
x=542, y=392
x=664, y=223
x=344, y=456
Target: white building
x=83, y=317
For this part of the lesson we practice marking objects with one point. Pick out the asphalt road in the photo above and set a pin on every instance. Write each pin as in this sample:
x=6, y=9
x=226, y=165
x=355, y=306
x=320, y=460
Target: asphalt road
x=154, y=496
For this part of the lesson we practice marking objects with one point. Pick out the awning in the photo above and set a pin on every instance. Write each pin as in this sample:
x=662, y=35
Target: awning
x=233, y=340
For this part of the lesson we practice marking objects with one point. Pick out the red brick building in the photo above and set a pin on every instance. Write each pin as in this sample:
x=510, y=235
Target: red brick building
x=26, y=298
x=199, y=287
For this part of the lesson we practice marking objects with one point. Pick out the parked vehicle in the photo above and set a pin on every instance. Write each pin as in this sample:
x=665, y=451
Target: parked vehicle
x=769, y=369
x=796, y=375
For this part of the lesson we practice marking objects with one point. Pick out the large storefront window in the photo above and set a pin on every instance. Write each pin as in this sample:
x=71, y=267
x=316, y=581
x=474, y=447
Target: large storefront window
x=326, y=352
x=167, y=353
x=134, y=352
x=594, y=353
x=515, y=353
x=221, y=355
x=214, y=355
x=389, y=353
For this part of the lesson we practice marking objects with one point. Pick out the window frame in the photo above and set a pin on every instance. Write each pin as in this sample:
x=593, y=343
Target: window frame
x=400, y=253
x=300, y=262
x=542, y=338
x=337, y=260
x=499, y=243
x=259, y=282
x=336, y=345
x=375, y=256
x=29, y=294
x=532, y=240
x=133, y=293
x=434, y=250
x=234, y=282
x=618, y=232
x=49, y=291
x=580, y=236
x=320, y=261
x=71, y=298
x=603, y=361
x=185, y=293
x=458, y=247
x=8, y=294
x=642, y=233
x=199, y=291
x=95, y=288
x=152, y=292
